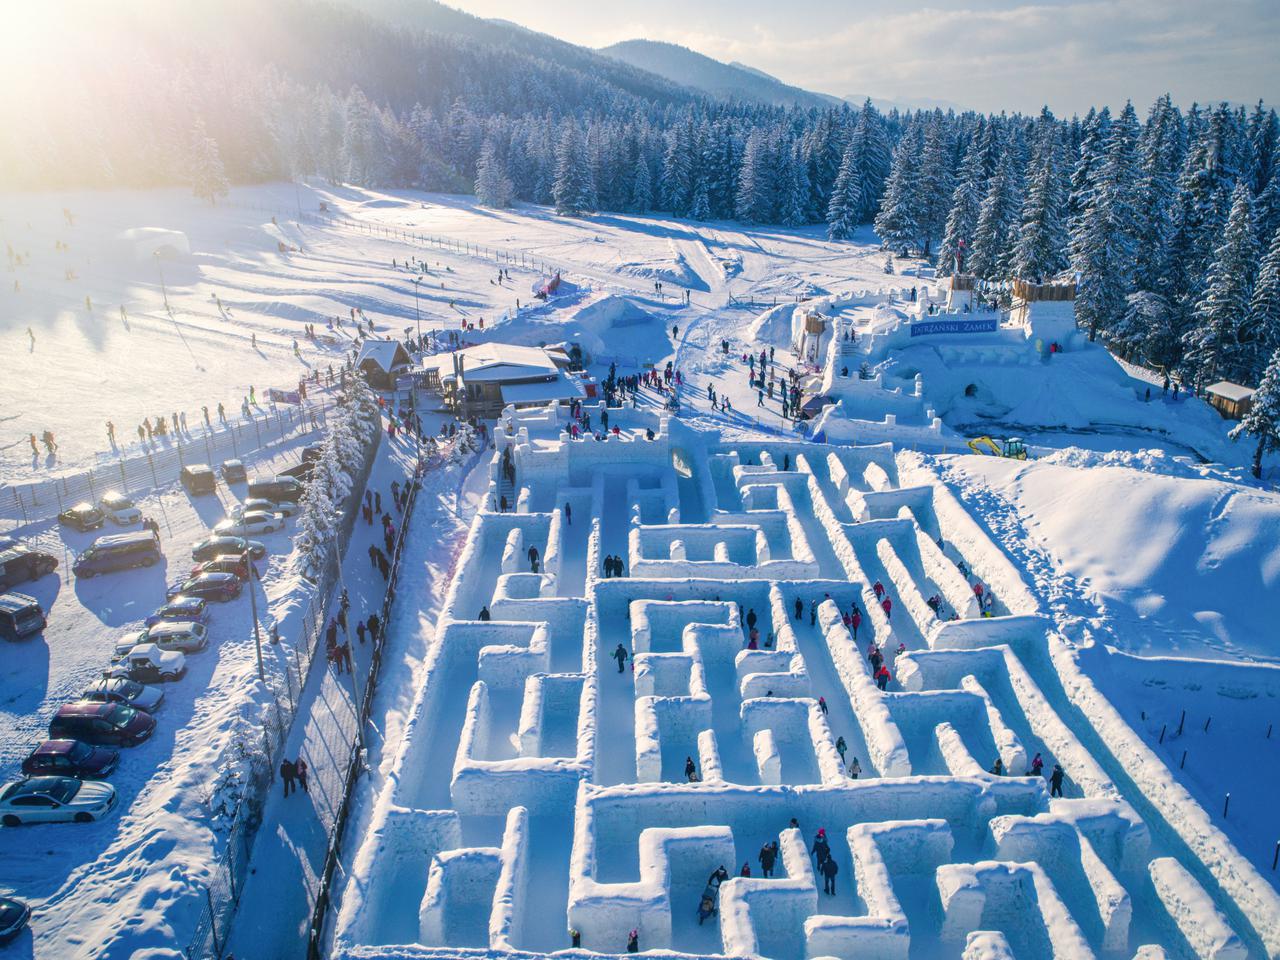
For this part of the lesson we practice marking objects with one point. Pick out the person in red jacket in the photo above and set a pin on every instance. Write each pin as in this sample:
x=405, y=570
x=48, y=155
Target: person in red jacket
x=887, y=604
x=882, y=677
x=855, y=621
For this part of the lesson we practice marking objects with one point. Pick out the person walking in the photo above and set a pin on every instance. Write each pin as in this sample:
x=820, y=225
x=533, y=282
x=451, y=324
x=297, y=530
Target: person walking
x=483, y=614
x=620, y=654
x=690, y=769
x=822, y=705
x=821, y=849
x=1055, y=781
x=841, y=747
x=287, y=773
x=829, y=870
x=300, y=766
x=855, y=768
x=568, y=514
x=768, y=856
x=633, y=941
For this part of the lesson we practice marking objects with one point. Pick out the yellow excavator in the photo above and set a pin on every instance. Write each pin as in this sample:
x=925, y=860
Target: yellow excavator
x=1013, y=448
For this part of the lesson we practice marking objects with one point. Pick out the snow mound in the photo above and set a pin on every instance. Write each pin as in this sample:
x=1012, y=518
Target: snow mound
x=1181, y=563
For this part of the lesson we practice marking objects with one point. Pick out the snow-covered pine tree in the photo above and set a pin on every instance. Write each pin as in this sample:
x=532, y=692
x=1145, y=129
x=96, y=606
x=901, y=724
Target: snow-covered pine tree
x=493, y=186
x=1264, y=136
x=936, y=183
x=1263, y=419
x=846, y=198
x=571, y=188
x=1264, y=306
x=795, y=199
x=898, y=223
x=315, y=529
x=997, y=217
x=1148, y=331
x=1266, y=212
x=1161, y=149
x=966, y=204
x=755, y=196
x=676, y=186
x=1093, y=148
x=1040, y=247
x=642, y=187
x=701, y=208
x=872, y=159
x=1104, y=236
x=1218, y=346
x=208, y=179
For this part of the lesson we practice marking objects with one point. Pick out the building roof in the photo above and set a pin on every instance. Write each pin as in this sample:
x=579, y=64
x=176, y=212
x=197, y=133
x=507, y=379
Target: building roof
x=1230, y=391
x=561, y=388
x=497, y=363
x=387, y=354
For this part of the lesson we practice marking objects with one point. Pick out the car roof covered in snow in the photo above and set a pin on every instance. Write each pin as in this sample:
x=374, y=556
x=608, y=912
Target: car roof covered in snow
x=16, y=602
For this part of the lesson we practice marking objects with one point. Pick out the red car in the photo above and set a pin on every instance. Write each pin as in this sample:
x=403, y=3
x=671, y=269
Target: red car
x=71, y=758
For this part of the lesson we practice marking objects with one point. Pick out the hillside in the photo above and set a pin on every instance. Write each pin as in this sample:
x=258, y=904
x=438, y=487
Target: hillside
x=724, y=81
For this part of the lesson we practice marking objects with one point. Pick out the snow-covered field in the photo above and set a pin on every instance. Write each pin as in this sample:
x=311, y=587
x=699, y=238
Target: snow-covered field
x=1112, y=546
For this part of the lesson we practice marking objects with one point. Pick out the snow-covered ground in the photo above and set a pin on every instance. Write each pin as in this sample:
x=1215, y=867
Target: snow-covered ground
x=1113, y=537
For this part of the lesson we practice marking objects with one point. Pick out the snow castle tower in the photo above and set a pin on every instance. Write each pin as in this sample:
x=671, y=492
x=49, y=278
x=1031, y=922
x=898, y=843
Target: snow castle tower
x=1046, y=311
x=810, y=335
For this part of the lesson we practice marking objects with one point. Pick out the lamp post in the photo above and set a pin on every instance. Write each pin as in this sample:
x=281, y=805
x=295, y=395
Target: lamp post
x=253, y=607
x=163, y=290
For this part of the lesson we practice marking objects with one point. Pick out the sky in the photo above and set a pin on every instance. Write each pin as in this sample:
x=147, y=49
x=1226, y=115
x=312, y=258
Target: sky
x=988, y=55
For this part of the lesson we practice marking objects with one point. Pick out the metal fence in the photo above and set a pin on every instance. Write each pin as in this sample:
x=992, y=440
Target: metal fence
x=226, y=883
x=34, y=501
x=356, y=759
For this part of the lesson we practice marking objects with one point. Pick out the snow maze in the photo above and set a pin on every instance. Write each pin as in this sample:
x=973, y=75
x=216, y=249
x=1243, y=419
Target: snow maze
x=540, y=790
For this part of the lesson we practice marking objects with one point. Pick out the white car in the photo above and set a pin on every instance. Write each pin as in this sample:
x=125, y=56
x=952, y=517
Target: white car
x=249, y=525
x=259, y=505
x=55, y=799
x=126, y=644
x=119, y=508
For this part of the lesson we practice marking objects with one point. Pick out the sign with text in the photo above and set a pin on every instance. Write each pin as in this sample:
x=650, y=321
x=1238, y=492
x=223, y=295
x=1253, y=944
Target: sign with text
x=284, y=396
x=934, y=327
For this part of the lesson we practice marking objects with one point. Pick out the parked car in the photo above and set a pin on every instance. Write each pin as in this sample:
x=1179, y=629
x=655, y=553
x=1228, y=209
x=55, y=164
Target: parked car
x=120, y=551
x=113, y=724
x=251, y=523
x=71, y=758
x=228, y=563
x=20, y=616
x=212, y=547
x=198, y=478
x=258, y=505
x=301, y=473
x=233, y=472
x=182, y=609
x=14, y=915
x=18, y=564
x=119, y=508
x=277, y=488
x=211, y=586
x=183, y=637
x=83, y=516
x=55, y=799
x=123, y=690
x=124, y=646
x=147, y=663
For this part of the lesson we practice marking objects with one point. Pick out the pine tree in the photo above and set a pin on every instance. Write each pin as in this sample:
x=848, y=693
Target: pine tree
x=1148, y=331
x=1040, y=248
x=1264, y=306
x=1263, y=419
x=641, y=187
x=572, y=188
x=701, y=209
x=872, y=159
x=794, y=177
x=1161, y=150
x=676, y=185
x=1104, y=237
x=1266, y=211
x=754, y=200
x=1093, y=146
x=966, y=204
x=208, y=179
x=897, y=222
x=937, y=182
x=493, y=186
x=1218, y=346
x=846, y=199
x=997, y=217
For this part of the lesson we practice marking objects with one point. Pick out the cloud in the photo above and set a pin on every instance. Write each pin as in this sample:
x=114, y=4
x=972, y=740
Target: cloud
x=1069, y=55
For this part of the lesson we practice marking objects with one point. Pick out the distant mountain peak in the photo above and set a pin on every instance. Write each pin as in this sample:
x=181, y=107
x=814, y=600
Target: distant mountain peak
x=723, y=81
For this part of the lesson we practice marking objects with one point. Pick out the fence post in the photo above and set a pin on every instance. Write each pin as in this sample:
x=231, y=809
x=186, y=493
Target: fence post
x=213, y=921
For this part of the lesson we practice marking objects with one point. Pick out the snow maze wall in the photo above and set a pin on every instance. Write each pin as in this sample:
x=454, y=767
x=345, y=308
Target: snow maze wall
x=540, y=787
